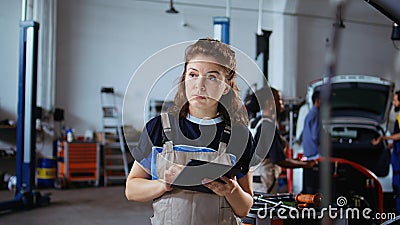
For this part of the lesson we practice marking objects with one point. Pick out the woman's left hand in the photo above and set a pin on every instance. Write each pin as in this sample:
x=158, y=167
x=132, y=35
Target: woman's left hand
x=219, y=188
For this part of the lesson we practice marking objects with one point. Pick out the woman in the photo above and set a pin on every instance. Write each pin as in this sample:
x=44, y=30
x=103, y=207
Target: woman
x=206, y=110
x=266, y=176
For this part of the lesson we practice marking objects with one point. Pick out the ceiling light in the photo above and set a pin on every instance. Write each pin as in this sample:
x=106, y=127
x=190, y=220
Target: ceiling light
x=171, y=8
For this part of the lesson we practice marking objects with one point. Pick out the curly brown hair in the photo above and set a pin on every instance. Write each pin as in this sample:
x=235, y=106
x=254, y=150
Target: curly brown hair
x=230, y=106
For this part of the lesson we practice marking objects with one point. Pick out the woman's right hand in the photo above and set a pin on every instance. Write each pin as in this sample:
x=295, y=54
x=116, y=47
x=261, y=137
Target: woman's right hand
x=165, y=186
x=170, y=175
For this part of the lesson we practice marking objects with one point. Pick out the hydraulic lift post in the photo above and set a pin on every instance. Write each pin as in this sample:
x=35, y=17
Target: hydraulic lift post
x=25, y=195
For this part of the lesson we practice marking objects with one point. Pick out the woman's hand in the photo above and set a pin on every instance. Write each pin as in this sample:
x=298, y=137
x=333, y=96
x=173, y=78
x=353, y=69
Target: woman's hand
x=219, y=188
x=170, y=175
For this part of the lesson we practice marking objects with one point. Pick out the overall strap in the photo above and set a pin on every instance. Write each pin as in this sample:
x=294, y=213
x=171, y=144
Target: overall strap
x=254, y=123
x=223, y=142
x=167, y=133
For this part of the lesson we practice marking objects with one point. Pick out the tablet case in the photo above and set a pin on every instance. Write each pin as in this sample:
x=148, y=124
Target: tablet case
x=195, y=170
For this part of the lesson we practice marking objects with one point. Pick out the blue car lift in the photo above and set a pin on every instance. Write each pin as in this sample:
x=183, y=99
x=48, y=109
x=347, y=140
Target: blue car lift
x=25, y=195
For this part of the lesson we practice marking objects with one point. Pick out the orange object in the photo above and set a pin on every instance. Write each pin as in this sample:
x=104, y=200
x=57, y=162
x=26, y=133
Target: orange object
x=309, y=198
x=302, y=205
x=78, y=161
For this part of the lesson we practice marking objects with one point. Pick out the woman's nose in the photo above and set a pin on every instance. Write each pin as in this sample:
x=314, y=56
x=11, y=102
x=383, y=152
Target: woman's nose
x=200, y=82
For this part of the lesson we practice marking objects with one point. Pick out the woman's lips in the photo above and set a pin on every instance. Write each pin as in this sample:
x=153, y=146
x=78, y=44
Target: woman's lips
x=199, y=97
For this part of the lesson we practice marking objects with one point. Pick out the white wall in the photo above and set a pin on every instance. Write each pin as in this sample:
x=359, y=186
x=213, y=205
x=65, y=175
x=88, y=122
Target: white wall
x=102, y=43
x=10, y=15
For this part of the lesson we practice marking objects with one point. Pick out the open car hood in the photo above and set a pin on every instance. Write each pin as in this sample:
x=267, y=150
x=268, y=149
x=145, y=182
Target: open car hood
x=357, y=96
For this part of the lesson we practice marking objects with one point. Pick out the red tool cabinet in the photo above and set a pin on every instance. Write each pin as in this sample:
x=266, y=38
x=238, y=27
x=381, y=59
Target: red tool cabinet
x=78, y=162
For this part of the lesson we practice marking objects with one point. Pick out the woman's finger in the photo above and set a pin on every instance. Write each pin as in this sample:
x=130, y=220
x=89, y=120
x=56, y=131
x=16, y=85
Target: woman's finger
x=226, y=180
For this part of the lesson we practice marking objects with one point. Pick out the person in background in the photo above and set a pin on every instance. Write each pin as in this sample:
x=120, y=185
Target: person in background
x=395, y=156
x=265, y=178
x=310, y=139
x=206, y=107
x=310, y=143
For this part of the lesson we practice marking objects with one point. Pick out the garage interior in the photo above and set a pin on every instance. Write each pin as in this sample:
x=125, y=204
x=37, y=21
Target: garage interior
x=85, y=109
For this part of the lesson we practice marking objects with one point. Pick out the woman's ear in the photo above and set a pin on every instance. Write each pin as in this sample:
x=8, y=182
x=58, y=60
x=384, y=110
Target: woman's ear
x=226, y=90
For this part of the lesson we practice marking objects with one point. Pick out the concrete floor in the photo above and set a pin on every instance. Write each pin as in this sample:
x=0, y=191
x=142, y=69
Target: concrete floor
x=83, y=206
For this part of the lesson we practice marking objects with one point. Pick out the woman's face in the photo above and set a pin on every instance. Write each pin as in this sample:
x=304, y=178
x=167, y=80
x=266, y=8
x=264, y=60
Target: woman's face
x=280, y=107
x=395, y=101
x=205, y=83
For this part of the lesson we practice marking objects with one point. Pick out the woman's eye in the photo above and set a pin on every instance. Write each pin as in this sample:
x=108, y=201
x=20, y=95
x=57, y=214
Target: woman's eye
x=192, y=75
x=212, y=78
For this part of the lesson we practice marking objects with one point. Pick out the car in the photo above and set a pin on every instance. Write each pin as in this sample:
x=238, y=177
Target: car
x=360, y=106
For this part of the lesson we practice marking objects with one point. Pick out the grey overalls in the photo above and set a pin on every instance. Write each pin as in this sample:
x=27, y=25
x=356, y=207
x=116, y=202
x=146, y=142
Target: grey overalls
x=266, y=174
x=184, y=207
